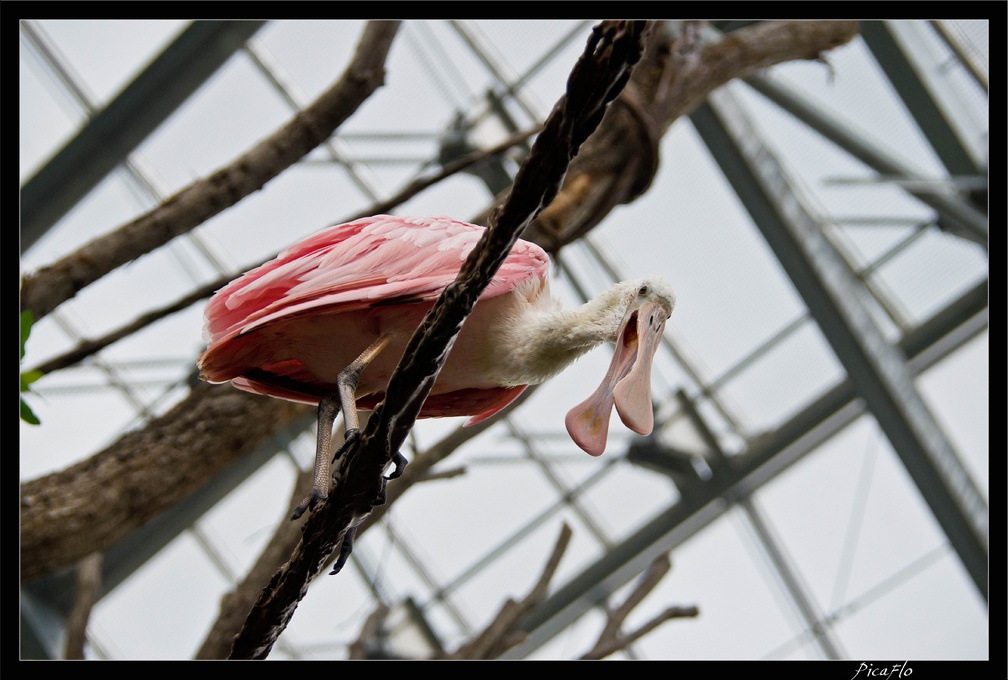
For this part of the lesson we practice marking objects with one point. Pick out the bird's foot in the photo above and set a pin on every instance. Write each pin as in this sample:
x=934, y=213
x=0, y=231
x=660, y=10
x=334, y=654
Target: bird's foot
x=310, y=501
x=345, y=549
x=399, y=461
x=351, y=435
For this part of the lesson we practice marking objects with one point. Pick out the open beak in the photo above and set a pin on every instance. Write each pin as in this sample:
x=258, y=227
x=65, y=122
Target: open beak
x=627, y=383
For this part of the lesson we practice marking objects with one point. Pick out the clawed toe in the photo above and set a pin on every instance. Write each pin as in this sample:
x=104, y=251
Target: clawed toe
x=309, y=503
x=345, y=549
x=399, y=461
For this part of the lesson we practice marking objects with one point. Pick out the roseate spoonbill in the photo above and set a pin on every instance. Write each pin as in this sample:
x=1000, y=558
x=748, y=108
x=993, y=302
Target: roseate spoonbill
x=327, y=321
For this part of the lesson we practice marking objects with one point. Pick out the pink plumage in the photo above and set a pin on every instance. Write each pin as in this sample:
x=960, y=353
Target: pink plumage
x=289, y=326
x=328, y=320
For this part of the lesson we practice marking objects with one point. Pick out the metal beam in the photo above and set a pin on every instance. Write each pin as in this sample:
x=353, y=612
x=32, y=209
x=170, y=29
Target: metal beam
x=112, y=134
x=788, y=575
x=836, y=299
x=911, y=65
x=976, y=71
x=955, y=214
x=803, y=601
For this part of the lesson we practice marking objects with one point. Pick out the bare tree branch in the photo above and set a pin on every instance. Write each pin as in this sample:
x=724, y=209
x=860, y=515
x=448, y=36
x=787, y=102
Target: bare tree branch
x=47, y=288
x=88, y=593
x=596, y=79
x=610, y=646
x=91, y=505
x=669, y=613
x=676, y=73
x=369, y=631
x=648, y=580
x=610, y=639
x=501, y=634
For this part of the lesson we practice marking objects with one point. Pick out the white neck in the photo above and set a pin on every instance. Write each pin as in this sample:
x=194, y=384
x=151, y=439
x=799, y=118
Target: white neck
x=544, y=339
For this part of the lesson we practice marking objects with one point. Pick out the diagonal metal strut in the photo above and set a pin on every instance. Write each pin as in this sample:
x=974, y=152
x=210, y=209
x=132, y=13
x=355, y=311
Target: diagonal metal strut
x=112, y=133
x=835, y=299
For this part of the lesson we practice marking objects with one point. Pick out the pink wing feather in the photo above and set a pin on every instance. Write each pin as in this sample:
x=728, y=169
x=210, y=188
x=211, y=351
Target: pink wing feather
x=369, y=261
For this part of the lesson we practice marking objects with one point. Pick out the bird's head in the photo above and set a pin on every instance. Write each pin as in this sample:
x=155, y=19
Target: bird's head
x=645, y=305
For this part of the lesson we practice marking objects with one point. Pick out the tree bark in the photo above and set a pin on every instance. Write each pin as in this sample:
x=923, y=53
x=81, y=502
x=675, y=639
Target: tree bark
x=676, y=73
x=89, y=506
x=88, y=592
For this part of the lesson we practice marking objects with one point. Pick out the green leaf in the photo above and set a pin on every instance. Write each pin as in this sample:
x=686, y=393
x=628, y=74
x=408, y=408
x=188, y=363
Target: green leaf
x=28, y=377
x=27, y=319
x=27, y=415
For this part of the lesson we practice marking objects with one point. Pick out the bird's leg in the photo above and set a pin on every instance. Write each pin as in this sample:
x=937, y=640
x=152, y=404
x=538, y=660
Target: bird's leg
x=345, y=400
x=327, y=410
x=347, y=382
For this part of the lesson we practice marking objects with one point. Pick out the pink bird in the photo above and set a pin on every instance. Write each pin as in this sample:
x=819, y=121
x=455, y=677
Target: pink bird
x=327, y=321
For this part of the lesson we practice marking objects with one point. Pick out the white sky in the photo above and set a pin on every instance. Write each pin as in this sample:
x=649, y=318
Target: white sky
x=847, y=516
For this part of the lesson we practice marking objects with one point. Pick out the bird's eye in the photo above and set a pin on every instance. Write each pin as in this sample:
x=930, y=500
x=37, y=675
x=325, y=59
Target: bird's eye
x=643, y=290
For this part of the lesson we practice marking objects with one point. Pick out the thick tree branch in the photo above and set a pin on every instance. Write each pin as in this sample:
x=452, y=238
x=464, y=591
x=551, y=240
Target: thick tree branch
x=91, y=505
x=611, y=646
x=676, y=73
x=596, y=79
x=44, y=290
x=87, y=594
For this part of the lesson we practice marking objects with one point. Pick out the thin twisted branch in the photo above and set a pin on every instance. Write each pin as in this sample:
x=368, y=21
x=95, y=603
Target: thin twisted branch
x=596, y=79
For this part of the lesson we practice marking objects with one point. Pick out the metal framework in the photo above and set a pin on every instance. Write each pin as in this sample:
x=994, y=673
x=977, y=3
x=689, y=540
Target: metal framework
x=879, y=376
